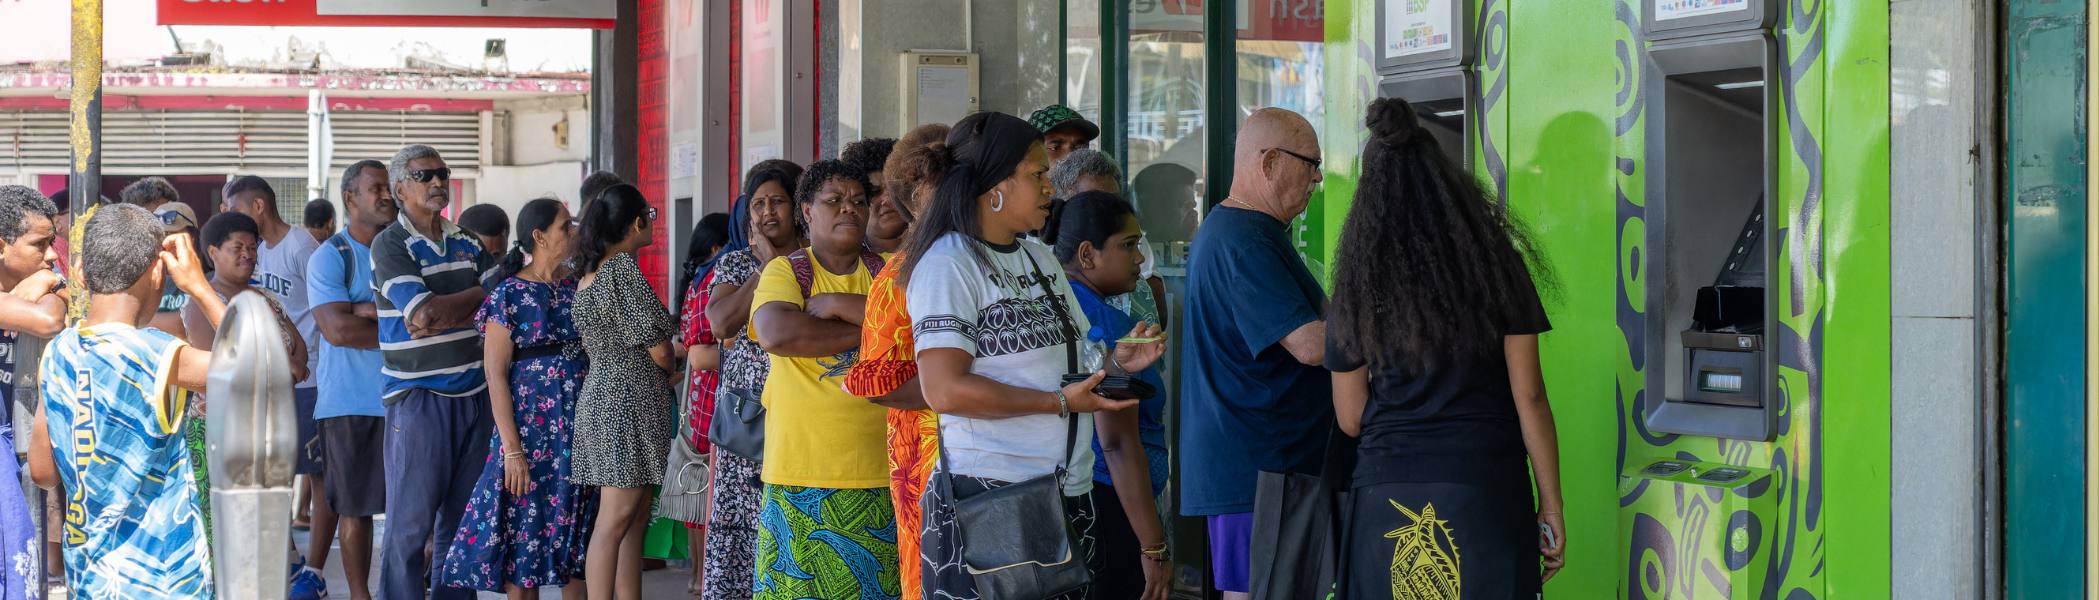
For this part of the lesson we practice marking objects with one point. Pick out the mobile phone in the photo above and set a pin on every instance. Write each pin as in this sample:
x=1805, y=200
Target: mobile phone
x=1551, y=541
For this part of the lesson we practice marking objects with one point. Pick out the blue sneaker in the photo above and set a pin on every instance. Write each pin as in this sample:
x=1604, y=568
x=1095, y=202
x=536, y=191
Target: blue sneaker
x=307, y=583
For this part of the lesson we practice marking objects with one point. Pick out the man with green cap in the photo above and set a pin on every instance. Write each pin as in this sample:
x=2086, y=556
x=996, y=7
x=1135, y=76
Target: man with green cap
x=1063, y=130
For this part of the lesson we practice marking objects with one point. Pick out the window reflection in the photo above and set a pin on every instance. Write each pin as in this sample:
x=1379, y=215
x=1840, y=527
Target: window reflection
x=1166, y=117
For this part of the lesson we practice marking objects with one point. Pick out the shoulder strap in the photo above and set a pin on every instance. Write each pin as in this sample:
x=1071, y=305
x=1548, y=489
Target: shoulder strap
x=804, y=273
x=341, y=242
x=872, y=261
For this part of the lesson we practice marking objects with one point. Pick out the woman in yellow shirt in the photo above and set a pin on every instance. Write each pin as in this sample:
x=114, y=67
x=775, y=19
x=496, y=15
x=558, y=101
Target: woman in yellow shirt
x=825, y=517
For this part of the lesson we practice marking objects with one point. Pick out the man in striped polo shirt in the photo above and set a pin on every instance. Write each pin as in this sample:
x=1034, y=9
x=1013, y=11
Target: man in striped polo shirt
x=426, y=275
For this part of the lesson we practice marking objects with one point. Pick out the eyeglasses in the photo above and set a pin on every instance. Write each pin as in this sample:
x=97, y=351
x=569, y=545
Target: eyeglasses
x=1308, y=160
x=428, y=175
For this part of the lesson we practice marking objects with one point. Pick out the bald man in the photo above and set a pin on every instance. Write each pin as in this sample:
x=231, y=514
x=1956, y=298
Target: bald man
x=1254, y=397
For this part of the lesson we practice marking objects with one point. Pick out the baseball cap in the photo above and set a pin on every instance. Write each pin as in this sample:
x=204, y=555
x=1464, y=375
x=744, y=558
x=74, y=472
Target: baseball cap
x=1051, y=117
x=175, y=217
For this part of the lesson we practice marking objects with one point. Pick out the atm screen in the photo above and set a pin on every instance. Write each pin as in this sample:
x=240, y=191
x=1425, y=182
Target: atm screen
x=1446, y=120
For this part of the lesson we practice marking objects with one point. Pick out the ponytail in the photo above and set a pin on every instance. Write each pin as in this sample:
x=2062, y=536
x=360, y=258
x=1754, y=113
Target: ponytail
x=537, y=215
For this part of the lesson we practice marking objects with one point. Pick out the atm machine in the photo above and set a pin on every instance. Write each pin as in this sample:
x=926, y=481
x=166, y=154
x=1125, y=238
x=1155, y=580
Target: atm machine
x=1713, y=136
x=1425, y=54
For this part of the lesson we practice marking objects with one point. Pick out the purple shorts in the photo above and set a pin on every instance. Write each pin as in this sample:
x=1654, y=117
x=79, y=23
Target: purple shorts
x=1231, y=537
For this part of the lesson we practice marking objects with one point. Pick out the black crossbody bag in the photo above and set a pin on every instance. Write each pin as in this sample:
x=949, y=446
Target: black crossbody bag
x=1015, y=540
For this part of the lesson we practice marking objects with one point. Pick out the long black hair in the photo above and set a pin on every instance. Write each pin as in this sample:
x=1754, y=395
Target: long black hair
x=982, y=149
x=1088, y=217
x=708, y=235
x=606, y=222
x=536, y=215
x=1429, y=267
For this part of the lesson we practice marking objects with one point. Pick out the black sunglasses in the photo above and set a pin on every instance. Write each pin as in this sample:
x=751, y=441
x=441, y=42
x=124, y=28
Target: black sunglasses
x=428, y=175
x=1308, y=160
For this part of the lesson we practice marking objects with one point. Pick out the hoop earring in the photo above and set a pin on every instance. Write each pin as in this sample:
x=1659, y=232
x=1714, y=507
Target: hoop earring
x=998, y=201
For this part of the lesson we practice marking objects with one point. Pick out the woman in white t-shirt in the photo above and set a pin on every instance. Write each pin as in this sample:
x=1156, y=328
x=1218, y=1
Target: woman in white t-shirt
x=991, y=317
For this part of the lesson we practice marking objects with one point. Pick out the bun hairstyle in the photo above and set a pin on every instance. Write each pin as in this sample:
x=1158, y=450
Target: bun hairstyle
x=1395, y=125
x=1087, y=217
x=982, y=150
x=919, y=159
x=536, y=215
x=606, y=222
x=1429, y=267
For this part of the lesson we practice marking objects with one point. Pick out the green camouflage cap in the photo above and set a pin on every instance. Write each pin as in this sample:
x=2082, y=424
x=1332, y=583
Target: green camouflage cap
x=1051, y=117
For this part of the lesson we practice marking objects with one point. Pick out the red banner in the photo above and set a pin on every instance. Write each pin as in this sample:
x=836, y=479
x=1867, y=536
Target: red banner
x=305, y=13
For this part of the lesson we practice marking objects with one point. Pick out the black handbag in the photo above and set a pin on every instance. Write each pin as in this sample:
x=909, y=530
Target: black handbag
x=1015, y=540
x=739, y=423
x=1299, y=523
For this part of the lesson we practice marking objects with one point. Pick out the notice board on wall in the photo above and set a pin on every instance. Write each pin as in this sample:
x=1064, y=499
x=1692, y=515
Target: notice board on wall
x=938, y=87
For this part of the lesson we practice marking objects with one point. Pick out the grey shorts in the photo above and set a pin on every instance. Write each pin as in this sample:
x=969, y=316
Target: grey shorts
x=355, y=481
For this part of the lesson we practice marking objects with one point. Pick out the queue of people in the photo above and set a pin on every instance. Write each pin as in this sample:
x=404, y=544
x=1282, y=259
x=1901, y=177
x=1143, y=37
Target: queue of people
x=931, y=368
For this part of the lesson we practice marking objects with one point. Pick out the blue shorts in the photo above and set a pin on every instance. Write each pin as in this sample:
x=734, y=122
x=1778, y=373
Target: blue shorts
x=1231, y=540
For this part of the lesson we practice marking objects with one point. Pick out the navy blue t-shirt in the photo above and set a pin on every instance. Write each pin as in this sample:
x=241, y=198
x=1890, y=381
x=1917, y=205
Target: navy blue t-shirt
x=1247, y=405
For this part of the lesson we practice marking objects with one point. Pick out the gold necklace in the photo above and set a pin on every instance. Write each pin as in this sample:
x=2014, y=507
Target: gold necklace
x=1242, y=203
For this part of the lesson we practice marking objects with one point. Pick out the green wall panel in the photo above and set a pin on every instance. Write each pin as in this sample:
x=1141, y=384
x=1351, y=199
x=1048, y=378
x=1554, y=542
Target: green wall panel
x=1856, y=300
x=1569, y=124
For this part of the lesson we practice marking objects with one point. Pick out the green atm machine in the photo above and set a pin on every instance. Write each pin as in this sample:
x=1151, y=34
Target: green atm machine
x=1712, y=148
x=1425, y=54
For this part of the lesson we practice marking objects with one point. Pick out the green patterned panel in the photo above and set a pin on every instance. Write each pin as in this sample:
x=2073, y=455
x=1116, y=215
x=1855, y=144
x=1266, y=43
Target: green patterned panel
x=1564, y=110
x=1563, y=76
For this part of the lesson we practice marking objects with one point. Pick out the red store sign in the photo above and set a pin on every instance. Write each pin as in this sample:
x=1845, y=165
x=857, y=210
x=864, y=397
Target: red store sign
x=543, y=14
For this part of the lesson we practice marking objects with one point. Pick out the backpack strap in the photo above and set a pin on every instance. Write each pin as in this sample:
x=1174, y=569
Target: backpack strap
x=341, y=242
x=805, y=267
x=872, y=260
x=804, y=270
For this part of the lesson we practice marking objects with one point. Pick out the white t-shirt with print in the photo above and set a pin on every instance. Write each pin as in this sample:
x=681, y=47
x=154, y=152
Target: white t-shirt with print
x=998, y=314
x=280, y=270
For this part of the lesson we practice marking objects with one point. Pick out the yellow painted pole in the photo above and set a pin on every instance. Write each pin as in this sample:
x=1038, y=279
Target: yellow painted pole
x=85, y=179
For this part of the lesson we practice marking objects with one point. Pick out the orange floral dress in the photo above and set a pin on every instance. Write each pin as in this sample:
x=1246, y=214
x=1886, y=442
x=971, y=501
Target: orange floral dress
x=887, y=362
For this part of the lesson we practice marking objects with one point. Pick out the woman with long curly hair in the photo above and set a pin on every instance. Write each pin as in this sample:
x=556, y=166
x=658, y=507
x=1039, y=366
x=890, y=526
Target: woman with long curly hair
x=1433, y=341
x=887, y=372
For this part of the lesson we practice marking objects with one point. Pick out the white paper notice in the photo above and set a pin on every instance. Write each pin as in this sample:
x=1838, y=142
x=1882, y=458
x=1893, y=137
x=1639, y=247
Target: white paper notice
x=685, y=160
x=943, y=94
x=1417, y=26
x=1678, y=9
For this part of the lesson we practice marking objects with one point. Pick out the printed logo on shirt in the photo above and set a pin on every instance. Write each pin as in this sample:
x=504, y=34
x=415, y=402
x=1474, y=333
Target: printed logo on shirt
x=271, y=283
x=1016, y=325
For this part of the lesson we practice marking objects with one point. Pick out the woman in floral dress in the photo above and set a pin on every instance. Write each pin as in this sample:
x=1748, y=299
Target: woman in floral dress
x=768, y=216
x=527, y=526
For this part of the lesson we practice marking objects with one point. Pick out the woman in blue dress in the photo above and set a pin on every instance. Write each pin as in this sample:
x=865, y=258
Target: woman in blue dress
x=526, y=526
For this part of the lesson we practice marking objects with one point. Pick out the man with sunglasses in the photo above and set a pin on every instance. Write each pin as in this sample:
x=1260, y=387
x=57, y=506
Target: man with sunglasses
x=426, y=273
x=1254, y=397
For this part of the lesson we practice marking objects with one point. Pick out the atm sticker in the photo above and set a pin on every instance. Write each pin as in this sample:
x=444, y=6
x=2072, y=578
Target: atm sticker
x=1680, y=9
x=1417, y=27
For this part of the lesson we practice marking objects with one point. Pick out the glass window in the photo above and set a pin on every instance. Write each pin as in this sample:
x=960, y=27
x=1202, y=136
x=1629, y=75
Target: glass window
x=1082, y=58
x=764, y=33
x=1166, y=146
x=1281, y=55
x=1280, y=64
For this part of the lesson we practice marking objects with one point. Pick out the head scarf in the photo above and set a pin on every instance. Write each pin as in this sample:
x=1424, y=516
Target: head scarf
x=739, y=236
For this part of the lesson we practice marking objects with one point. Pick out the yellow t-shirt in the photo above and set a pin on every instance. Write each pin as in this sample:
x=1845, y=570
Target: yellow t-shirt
x=816, y=434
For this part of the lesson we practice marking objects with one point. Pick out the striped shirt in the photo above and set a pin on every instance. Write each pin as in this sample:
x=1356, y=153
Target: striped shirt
x=407, y=271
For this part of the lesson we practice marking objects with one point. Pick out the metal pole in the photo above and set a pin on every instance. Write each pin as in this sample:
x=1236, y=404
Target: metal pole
x=84, y=180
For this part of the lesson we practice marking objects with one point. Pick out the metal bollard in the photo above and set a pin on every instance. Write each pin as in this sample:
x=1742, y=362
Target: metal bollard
x=250, y=439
